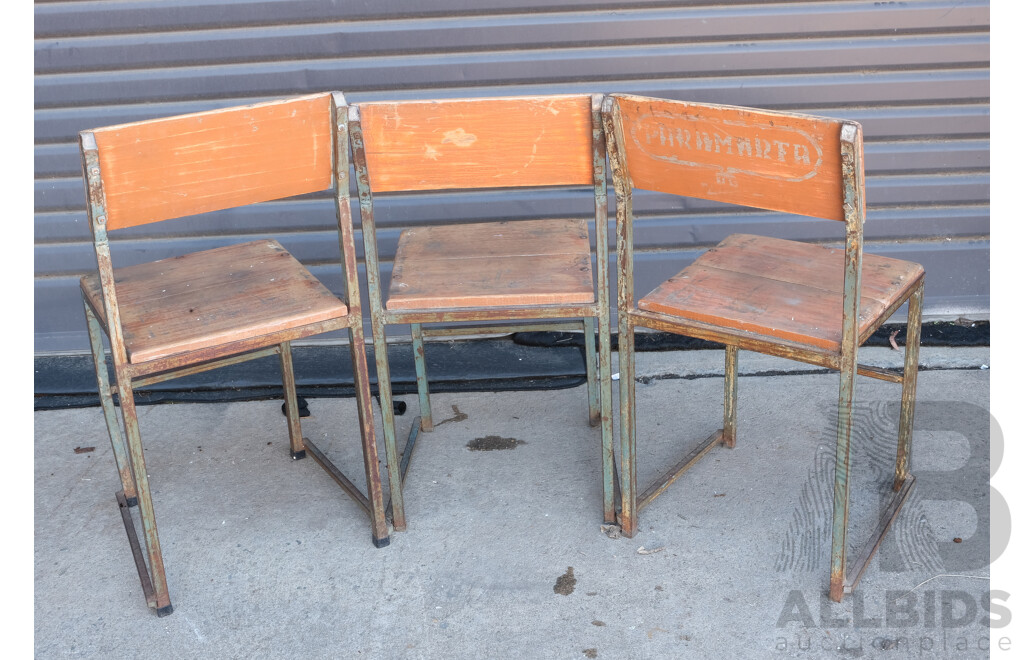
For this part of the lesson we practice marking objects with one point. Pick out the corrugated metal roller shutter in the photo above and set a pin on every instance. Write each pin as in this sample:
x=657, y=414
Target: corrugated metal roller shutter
x=914, y=73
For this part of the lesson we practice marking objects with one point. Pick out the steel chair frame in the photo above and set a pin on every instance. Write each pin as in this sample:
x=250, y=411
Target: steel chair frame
x=631, y=317
x=550, y=317
x=129, y=376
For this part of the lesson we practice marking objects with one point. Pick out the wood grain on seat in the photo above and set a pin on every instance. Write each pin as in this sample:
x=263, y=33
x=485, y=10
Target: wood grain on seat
x=213, y=297
x=525, y=262
x=780, y=289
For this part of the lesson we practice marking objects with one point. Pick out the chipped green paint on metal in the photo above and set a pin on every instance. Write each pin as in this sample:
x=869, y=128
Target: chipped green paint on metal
x=356, y=339
x=378, y=318
x=853, y=205
x=117, y=442
x=909, y=399
x=845, y=361
x=729, y=412
x=420, y=360
x=291, y=401
x=626, y=307
x=604, y=348
x=590, y=356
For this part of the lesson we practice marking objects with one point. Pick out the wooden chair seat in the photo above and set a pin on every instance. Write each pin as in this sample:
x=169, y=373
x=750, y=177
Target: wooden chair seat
x=492, y=264
x=213, y=297
x=780, y=289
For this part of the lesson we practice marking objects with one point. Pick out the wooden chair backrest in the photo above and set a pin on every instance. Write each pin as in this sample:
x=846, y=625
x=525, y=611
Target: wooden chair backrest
x=167, y=168
x=478, y=143
x=770, y=160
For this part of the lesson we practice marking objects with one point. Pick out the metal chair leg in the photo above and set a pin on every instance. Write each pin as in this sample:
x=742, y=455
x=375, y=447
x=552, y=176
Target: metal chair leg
x=841, y=494
x=371, y=462
x=729, y=424
x=594, y=394
x=909, y=400
x=607, y=429
x=117, y=442
x=845, y=575
x=291, y=402
x=627, y=429
x=422, y=387
x=387, y=411
x=160, y=598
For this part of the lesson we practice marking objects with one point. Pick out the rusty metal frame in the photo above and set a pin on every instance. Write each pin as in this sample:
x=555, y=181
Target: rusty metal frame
x=127, y=448
x=584, y=326
x=574, y=316
x=845, y=360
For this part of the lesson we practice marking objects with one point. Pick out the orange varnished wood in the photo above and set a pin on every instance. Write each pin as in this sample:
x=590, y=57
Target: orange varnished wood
x=882, y=278
x=780, y=289
x=781, y=162
x=478, y=143
x=526, y=262
x=213, y=297
x=168, y=168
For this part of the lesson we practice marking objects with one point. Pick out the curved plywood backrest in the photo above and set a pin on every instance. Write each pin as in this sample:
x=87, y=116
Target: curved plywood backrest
x=478, y=143
x=167, y=168
x=770, y=160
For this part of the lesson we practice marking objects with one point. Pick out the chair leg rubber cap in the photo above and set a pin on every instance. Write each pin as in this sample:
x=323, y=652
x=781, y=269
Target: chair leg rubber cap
x=298, y=455
x=165, y=610
x=303, y=408
x=382, y=543
x=131, y=501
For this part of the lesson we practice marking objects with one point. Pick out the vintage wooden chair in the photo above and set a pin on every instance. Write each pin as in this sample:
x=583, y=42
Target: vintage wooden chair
x=199, y=311
x=493, y=271
x=805, y=302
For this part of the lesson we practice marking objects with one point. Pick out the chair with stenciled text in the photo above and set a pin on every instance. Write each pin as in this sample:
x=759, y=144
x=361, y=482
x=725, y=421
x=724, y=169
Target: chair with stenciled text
x=796, y=300
x=190, y=313
x=533, y=274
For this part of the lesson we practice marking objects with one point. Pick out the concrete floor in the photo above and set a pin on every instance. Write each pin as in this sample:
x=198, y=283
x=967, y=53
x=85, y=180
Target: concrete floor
x=504, y=556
